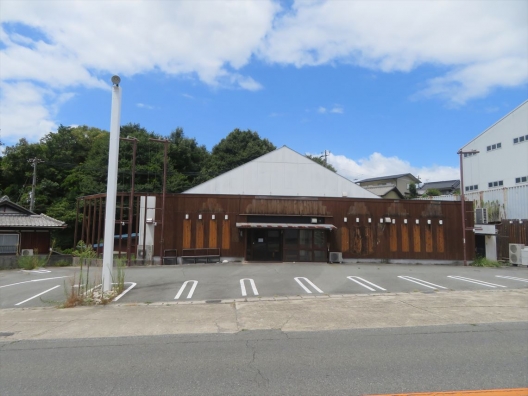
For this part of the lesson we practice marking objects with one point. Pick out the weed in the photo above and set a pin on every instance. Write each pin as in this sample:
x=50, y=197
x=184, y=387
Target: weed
x=89, y=292
x=33, y=262
x=484, y=262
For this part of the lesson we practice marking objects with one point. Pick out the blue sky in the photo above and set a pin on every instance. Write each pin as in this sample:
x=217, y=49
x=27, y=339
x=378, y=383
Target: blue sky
x=387, y=86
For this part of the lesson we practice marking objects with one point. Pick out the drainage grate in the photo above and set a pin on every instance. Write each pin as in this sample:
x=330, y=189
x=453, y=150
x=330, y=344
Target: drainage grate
x=6, y=334
x=212, y=301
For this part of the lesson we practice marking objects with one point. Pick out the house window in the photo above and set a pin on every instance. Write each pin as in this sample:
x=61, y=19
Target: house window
x=522, y=179
x=9, y=243
x=520, y=139
x=494, y=147
x=469, y=154
x=495, y=184
x=472, y=188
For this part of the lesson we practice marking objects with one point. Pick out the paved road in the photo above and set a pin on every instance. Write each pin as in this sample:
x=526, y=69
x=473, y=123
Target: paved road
x=351, y=362
x=236, y=280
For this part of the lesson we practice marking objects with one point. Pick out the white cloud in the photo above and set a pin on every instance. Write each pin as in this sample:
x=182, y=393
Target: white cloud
x=25, y=111
x=337, y=109
x=81, y=43
x=377, y=165
x=321, y=110
x=480, y=44
x=144, y=106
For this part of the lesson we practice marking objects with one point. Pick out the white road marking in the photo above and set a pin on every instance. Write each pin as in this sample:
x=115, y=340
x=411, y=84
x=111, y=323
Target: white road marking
x=40, y=294
x=421, y=282
x=40, y=271
x=132, y=285
x=183, y=288
x=355, y=279
x=478, y=282
x=34, y=280
x=512, y=278
x=298, y=280
x=243, y=286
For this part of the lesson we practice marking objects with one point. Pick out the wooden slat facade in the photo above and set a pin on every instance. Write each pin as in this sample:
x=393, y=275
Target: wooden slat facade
x=374, y=228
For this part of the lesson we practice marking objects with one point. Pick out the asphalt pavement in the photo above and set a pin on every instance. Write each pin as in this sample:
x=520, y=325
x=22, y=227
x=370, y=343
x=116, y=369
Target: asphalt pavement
x=232, y=281
x=272, y=362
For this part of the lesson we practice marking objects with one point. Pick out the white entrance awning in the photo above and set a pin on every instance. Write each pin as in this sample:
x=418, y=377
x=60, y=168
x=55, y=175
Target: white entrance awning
x=295, y=226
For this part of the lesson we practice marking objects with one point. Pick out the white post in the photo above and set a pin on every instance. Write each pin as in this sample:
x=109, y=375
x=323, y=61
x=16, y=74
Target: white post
x=111, y=190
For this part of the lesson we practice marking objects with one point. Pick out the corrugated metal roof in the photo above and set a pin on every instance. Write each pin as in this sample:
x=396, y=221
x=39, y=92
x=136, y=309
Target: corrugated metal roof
x=287, y=225
x=390, y=177
x=383, y=190
x=441, y=184
x=30, y=221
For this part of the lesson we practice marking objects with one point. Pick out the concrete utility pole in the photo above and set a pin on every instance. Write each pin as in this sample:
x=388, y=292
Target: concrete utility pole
x=463, y=198
x=111, y=190
x=34, y=162
x=325, y=155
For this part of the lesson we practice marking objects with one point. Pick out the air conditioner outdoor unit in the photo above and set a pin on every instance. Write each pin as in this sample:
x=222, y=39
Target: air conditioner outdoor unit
x=336, y=257
x=27, y=252
x=144, y=253
x=515, y=253
x=482, y=216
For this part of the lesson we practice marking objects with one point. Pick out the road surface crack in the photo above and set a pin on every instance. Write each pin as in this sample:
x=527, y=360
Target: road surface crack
x=259, y=378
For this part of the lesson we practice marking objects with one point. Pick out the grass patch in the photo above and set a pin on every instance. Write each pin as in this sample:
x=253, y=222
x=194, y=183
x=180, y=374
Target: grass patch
x=484, y=262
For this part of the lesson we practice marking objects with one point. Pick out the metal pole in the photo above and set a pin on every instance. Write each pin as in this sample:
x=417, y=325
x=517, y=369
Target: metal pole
x=462, y=206
x=463, y=199
x=131, y=198
x=111, y=191
x=165, y=155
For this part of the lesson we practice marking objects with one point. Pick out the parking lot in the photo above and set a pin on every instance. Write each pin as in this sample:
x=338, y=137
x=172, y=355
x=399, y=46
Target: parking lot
x=214, y=282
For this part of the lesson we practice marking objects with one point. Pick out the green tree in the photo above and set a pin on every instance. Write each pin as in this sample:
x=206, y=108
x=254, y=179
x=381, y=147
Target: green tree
x=237, y=148
x=320, y=161
x=432, y=192
x=412, y=191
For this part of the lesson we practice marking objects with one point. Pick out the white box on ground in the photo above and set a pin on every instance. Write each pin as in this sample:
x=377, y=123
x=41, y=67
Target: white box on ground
x=524, y=256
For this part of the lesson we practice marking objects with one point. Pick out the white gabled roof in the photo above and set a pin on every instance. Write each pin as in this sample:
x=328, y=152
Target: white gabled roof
x=282, y=172
x=522, y=105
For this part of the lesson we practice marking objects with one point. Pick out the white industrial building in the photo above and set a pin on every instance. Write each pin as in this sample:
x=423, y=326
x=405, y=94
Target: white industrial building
x=502, y=160
x=496, y=178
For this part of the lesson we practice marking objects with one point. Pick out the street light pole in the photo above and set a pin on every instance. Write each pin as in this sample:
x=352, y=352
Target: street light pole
x=111, y=189
x=463, y=199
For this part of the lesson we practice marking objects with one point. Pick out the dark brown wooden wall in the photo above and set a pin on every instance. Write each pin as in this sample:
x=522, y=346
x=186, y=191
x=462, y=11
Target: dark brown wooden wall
x=510, y=231
x=356, y=239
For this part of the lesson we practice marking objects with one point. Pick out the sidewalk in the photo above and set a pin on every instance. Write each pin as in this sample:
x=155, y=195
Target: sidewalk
x=307, y=313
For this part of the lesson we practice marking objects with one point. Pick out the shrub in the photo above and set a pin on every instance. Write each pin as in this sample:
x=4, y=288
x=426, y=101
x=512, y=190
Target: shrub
x=484, y=262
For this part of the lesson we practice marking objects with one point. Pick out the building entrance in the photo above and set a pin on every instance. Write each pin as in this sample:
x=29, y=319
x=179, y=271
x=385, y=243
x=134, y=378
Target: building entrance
x=286, y=245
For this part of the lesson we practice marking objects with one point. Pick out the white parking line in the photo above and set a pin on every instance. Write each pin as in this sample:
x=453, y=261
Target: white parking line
x=40, y=271
x=298, y=280
x=132, y=285
x=182, y=288
x=40, y=294
x=422, y=282
x=34, y=280
x=355, y=279
x=512, y=278
x=478, y=282
x=243, y=286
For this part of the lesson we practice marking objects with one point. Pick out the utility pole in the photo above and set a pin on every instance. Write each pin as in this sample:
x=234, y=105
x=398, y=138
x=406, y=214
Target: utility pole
x=325, y=155
x=165, y=152
x=34, y=162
